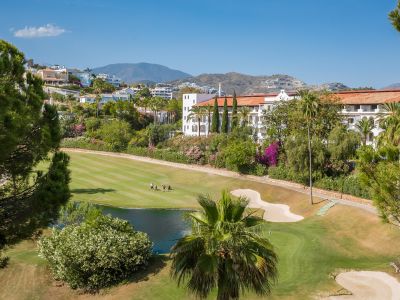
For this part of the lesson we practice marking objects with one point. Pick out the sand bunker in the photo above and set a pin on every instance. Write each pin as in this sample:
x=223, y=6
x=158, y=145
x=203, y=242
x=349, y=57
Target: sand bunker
x=368, y=285
x=273, y=212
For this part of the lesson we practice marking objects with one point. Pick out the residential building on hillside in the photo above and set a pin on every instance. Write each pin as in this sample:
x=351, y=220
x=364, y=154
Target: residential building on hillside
x=356, y=106
x=91, y=98
x=84, y=77
x=162, y=90
x=59, y=90
x=112, y=79
x=53, y=76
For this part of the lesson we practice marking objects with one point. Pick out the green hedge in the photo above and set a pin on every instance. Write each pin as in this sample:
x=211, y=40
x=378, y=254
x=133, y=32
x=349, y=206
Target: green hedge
x=85, y=143
x=347, y=185
x=163, y=154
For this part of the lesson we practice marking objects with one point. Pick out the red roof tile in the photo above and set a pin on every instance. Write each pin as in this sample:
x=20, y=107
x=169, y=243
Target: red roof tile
x=345, y=97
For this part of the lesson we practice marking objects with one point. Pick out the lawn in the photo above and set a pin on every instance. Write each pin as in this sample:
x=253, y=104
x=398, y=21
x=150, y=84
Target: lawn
x=309, y=251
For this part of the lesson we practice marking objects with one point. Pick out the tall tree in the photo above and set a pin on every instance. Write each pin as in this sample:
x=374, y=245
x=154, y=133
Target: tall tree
x=234, y=111
x=225, y=118
x=309, y=104
x=224, y=251
x=364, y=127
x=29, y=130
x=215, y=117
x=394, y=16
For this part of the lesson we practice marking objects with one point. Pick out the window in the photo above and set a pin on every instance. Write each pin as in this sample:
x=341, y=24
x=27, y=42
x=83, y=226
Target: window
x=350, y=121
x=193, y=101
x=202, y=128
x=194, y=128
x=374, y=106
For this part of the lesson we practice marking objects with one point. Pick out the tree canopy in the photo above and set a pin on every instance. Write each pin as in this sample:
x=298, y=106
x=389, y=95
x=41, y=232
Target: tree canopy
x=29, y=130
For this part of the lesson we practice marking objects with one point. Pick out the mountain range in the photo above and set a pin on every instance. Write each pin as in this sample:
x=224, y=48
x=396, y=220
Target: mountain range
x=141, y=72
x=243, y=84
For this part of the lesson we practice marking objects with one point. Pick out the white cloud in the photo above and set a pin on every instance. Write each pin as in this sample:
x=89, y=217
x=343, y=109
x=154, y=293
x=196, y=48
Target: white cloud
x=37, y=32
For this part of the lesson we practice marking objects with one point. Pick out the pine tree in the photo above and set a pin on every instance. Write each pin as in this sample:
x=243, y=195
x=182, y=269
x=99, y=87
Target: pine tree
x=215, y=117
x=224, y=124
x=234, y=111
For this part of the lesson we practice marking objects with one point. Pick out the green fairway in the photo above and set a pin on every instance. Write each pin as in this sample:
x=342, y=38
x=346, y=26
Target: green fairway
x=126, y=183
x=309, y=251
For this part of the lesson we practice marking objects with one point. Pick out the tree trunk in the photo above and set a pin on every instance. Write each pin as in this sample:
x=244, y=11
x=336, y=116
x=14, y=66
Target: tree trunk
x=198, y=120
x=209, y=124
x=310, y=162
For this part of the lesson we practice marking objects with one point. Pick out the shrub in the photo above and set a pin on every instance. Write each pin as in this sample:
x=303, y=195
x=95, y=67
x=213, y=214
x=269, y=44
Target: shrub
x=95, y=254
x=239, y=155
x=140, y=139
x=115, y=134
x=3, y=261
x=163, y=154
x=348, y=185
x=260, y=170
x=195, y=155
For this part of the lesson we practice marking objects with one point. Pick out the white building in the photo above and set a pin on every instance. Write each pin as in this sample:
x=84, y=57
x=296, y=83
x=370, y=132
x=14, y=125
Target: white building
x=112, y=79
x=162, y=90
x=356, y=106
x=84, y=77
x=91, y=98
x=189, y=126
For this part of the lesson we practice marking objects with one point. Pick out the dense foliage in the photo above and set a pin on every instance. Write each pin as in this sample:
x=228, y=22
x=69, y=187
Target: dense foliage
x=224, y=251
x=29, y=131
x=96, y=253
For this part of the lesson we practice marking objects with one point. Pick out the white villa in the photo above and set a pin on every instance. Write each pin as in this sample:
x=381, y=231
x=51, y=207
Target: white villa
x=91, y=98
x=356, y=105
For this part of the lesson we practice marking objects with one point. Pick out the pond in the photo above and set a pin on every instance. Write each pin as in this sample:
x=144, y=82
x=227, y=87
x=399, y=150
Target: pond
x=164, y=226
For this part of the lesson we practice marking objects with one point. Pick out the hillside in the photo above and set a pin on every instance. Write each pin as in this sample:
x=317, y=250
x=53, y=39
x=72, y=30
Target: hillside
x=140, y=72
x=245, y=84
x=394, y=86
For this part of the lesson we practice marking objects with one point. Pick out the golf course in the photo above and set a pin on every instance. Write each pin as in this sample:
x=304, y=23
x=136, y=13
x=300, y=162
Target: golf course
x=311, y=251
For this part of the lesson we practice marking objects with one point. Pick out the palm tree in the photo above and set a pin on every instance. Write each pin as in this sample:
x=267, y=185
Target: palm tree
x=244, y=113
x=364, y=127
x=309, y=106
x=197, y=113
x=389, y=121
x=224, y=251
x=97, y=101
x=156, y=104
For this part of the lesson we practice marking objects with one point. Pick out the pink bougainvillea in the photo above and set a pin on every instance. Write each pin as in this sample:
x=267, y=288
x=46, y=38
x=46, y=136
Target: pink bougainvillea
x=270, y=155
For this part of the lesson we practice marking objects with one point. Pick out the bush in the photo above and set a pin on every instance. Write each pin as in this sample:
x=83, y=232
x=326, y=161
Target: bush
x=3, y=261
x=95, y=254
x=348, y=185
x=85, y=143
x=239, y=156
x=195, y=155
x=163, y=154
x=116, y=134
x=260, y=170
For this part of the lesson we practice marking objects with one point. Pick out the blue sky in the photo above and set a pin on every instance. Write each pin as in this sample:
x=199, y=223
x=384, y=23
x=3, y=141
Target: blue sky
x=349, y=41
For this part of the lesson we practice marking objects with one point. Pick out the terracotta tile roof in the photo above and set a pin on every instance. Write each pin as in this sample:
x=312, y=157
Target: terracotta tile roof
x=345, y=97
x=253, y=100
x=369, y=97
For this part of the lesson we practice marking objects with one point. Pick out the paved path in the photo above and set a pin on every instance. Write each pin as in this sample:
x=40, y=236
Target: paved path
x=323, y=194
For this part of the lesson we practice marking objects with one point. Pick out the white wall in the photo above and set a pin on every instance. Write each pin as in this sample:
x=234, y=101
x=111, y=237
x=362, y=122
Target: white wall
x=188, y=101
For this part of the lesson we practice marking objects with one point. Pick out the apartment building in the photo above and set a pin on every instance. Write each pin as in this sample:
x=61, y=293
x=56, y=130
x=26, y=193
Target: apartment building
x=53, y=76
x=112, y=79
x=356, y=106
